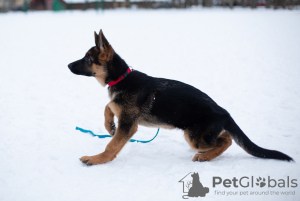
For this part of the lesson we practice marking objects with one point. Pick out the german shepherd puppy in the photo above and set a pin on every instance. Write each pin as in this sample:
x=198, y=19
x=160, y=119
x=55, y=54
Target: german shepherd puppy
x=139, y=99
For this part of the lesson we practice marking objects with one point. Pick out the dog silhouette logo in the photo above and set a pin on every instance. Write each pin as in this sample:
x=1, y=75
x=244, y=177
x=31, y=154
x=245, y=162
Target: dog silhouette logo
x=192, y=186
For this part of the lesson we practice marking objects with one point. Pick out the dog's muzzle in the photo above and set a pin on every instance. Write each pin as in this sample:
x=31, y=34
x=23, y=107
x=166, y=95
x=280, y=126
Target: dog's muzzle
x=70, y=66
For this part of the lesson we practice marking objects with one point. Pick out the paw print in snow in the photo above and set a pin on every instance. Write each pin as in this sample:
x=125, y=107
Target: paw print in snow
x=261, y=182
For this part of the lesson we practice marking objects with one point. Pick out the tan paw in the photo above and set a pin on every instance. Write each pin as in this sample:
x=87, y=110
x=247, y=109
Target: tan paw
x=200, y=157
x=94, y=160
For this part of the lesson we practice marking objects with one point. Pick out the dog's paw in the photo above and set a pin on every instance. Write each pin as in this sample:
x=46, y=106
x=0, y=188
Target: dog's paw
x=112, y=129
x=91, y=160
x=200, y=157
x=97, y=159
x=85, y=159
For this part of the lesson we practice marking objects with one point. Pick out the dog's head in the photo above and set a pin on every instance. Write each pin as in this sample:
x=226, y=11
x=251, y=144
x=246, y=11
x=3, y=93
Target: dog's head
x=96, y=61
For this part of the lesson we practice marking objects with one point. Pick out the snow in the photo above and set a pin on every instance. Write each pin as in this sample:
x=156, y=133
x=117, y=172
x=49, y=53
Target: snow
x=246, y=60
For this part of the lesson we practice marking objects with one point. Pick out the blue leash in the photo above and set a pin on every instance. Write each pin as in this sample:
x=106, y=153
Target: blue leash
x=104, y=136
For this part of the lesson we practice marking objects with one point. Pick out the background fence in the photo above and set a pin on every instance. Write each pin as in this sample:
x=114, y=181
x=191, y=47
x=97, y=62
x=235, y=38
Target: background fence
x=57, y=5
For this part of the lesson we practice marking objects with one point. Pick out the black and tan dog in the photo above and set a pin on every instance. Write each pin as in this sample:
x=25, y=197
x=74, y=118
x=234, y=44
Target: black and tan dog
x=138, y=99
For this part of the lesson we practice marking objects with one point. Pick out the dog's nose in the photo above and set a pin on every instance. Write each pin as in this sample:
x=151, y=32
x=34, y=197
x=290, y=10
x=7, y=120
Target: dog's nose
x=70, y=66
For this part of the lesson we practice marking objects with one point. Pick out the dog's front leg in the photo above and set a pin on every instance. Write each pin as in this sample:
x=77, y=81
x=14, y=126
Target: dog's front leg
x=109, y=122
x=125, y=131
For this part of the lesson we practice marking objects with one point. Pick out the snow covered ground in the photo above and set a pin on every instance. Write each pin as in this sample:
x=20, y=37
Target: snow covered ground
x=247, y=60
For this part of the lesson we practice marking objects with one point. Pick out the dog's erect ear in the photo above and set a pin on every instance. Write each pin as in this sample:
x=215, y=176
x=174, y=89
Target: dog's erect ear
x=107, y=51
x=103, y=43
x=96, y=39
x=100, y=41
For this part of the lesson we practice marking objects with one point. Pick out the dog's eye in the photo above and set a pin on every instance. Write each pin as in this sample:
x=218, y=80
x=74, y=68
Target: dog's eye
x=88, y=60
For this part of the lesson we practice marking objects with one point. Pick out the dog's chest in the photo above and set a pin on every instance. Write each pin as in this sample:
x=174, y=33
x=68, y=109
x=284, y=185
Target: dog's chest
x=112, y=94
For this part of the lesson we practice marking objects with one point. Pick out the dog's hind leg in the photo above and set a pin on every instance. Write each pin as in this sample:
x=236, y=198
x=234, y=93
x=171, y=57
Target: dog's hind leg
x=109, y=122
x=222, y=143
x=209, y=151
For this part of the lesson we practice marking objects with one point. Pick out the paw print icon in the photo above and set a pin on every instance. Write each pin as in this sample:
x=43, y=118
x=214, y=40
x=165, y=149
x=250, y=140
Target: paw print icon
x=261, y=182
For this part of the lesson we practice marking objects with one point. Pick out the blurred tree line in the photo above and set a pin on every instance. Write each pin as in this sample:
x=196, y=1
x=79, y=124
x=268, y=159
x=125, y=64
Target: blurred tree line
x=24, y=5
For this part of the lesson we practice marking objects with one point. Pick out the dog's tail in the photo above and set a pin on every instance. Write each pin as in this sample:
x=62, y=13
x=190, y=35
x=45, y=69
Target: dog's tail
x=243, y=141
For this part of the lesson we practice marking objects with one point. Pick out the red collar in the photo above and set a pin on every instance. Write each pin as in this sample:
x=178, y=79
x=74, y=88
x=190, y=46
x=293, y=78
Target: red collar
x=112, y=83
